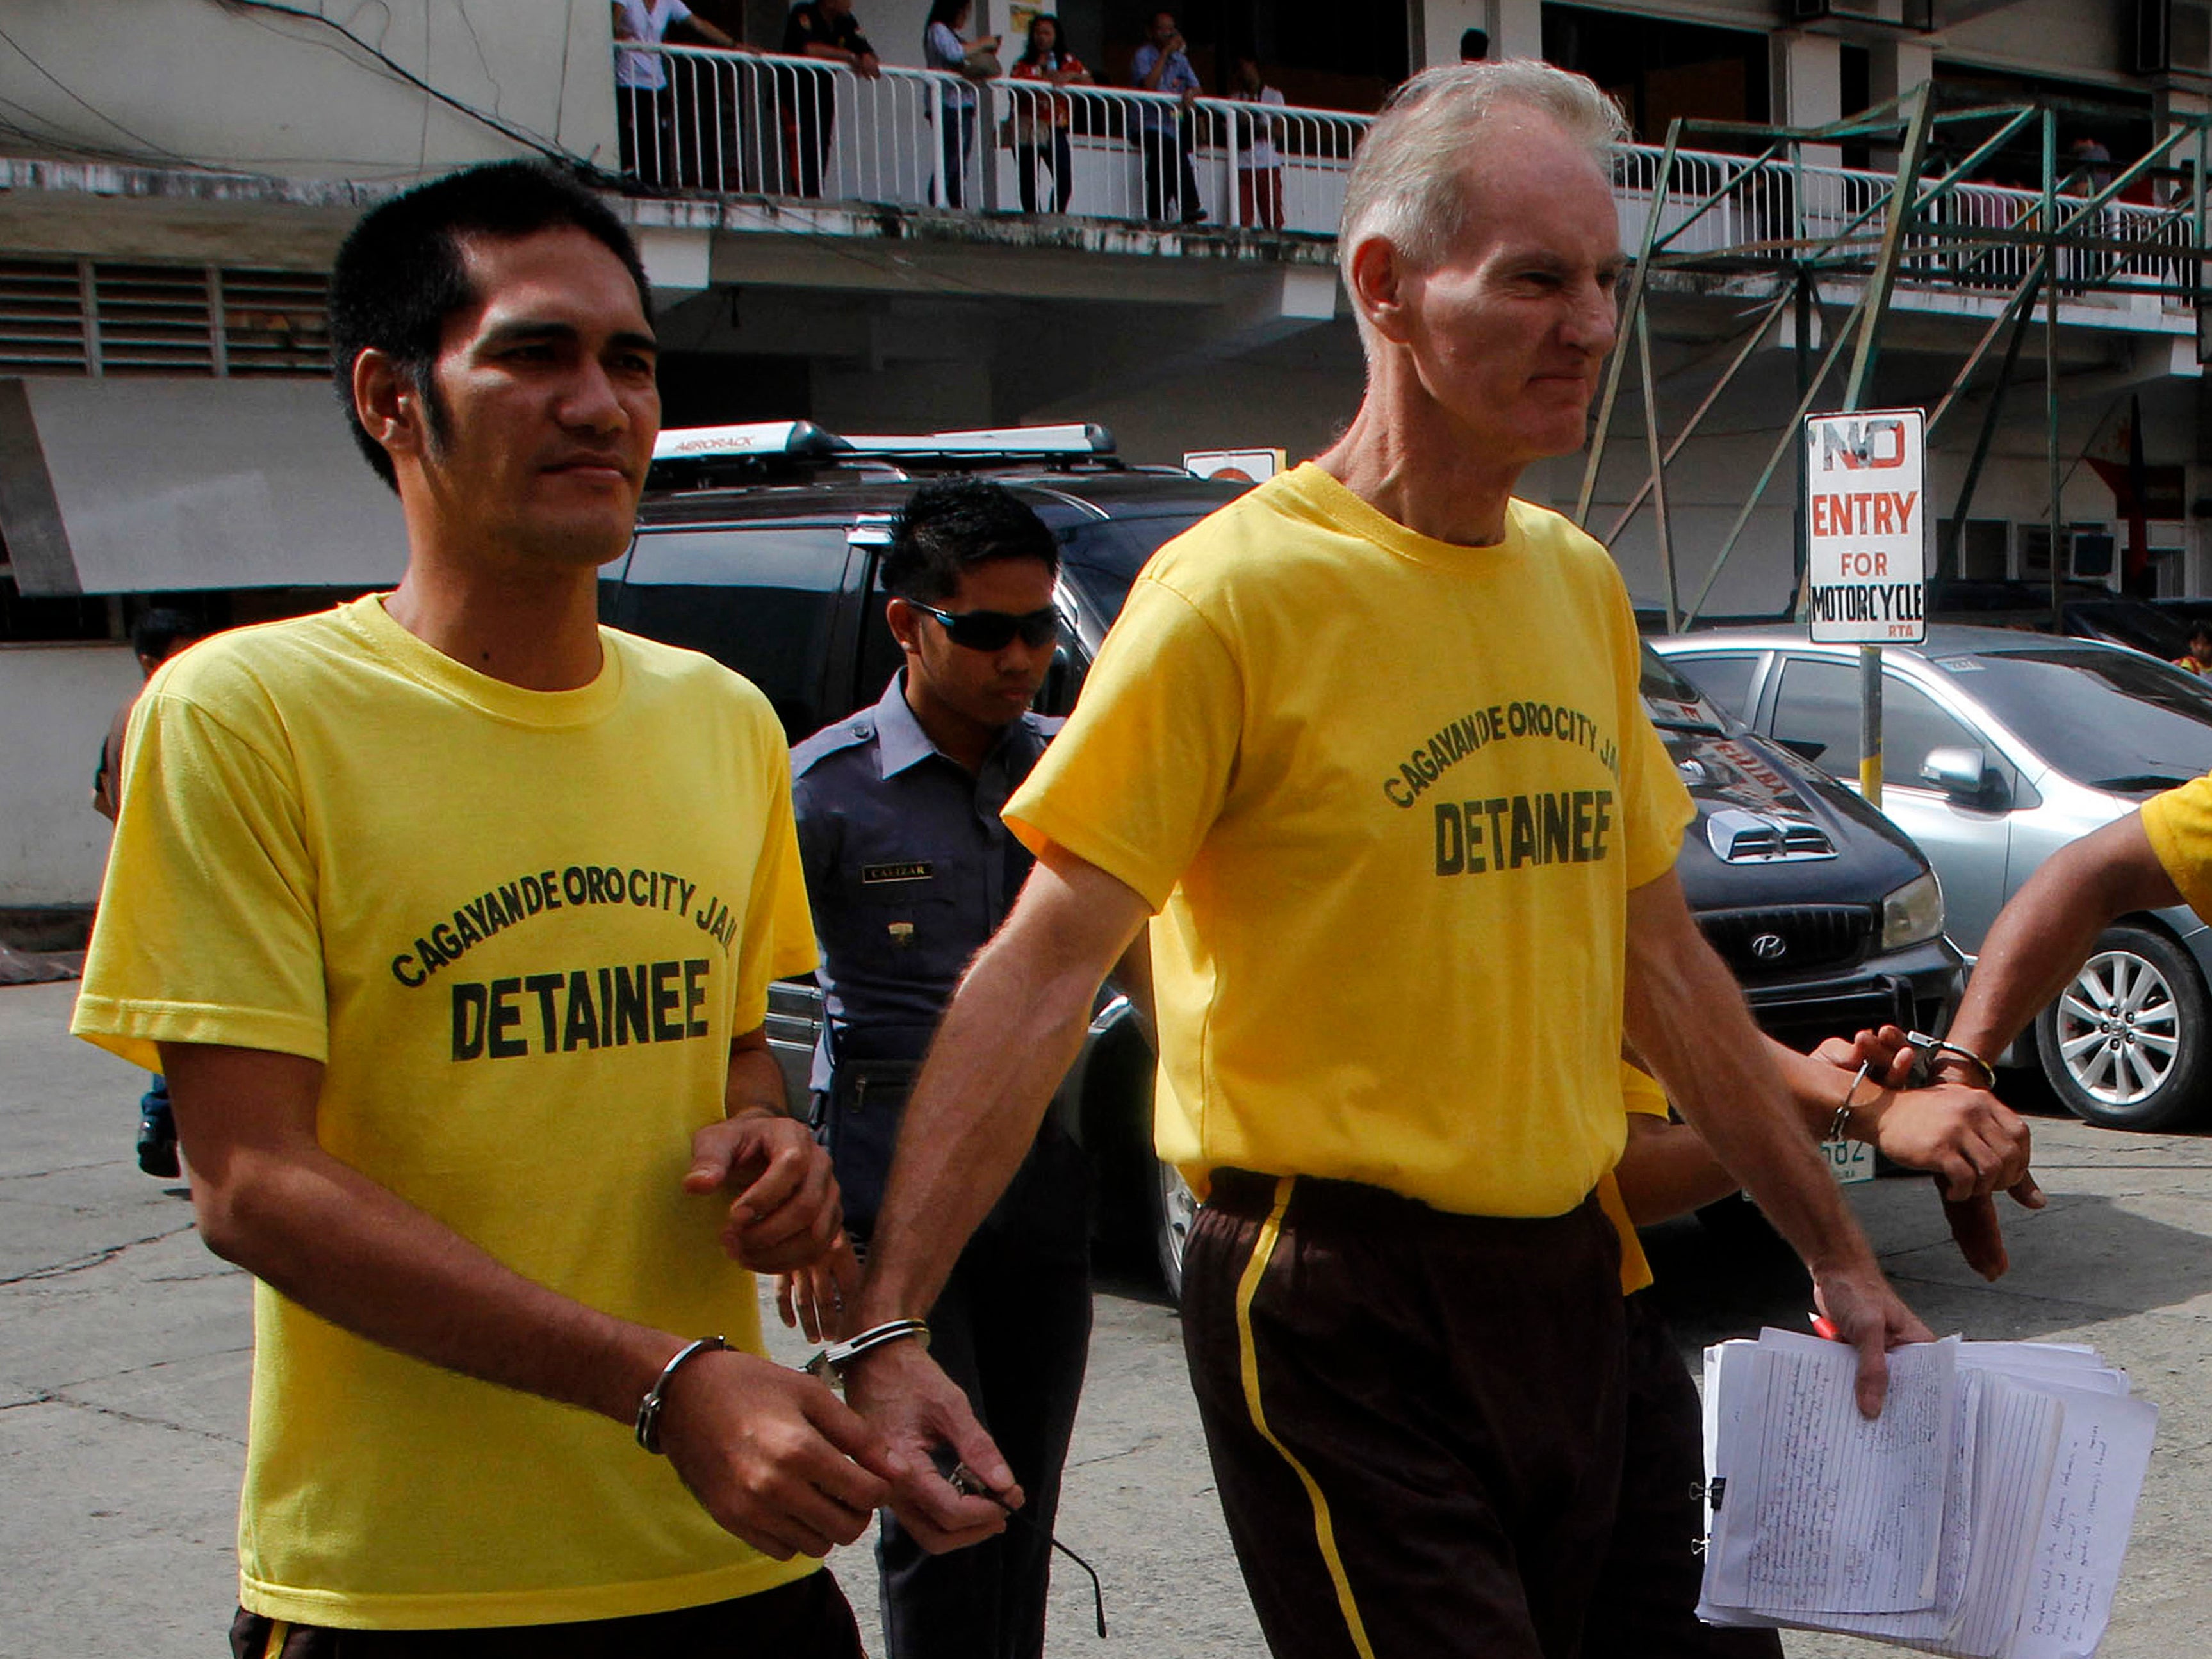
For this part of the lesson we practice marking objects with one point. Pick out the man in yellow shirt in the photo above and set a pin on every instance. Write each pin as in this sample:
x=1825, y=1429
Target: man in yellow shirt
x=450, y=915
x=1369, y=742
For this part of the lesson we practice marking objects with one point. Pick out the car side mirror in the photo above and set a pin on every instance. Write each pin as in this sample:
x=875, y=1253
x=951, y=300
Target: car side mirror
x=1965, y=774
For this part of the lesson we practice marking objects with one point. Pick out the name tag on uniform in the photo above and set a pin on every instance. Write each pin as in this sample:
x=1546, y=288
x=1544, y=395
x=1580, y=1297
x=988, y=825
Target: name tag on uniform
x=877, y=875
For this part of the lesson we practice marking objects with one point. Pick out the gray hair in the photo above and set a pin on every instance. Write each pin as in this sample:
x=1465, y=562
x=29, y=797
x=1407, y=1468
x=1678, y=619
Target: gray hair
x=1408, y=185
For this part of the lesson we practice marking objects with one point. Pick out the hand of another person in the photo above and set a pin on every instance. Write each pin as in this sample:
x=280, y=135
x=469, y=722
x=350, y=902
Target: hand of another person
x=773, y=1456
x=817, y=1299
x=787, y=1211
x=1869, y=1315
x=867, y=66
x=1967, y=1138
x=917, y=1408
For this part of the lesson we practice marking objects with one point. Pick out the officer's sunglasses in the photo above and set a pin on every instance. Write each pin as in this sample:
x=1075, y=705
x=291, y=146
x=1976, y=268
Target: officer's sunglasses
x=994, y=630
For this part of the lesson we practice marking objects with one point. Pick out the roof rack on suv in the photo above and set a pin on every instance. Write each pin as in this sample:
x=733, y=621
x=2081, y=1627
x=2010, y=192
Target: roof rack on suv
x=696, y=455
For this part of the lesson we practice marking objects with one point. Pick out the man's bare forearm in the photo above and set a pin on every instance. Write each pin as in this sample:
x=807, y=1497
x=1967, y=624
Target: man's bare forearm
x=1688, y=1019
x=1012, y=1029
x=354, y=1253
x=1008, y=1038
x=2046, y=931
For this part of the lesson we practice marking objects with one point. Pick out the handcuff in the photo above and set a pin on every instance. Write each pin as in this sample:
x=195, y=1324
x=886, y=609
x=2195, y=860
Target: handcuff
x=830, y=1365
x=1927, y=1050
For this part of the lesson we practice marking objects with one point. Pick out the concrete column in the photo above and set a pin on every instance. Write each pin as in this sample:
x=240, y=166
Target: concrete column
x=1898, y=66
x=1807, y=81
x=1515, y=28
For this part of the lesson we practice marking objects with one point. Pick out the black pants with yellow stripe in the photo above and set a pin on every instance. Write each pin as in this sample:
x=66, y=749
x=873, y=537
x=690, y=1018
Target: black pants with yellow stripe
x=1415, y=1418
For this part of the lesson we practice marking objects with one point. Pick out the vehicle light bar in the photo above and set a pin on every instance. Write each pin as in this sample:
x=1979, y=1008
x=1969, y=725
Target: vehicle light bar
x=1076, y=438
x=788, y=440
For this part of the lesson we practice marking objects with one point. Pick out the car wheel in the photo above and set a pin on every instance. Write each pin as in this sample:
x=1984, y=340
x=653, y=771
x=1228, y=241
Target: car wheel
x=1175, y=1206
x=2124, y=1045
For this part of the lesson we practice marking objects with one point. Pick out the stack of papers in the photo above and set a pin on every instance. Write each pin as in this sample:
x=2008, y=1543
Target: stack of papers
x=1985, y=1513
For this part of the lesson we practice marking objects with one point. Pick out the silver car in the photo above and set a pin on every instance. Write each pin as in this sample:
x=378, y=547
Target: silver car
x=1999, y=747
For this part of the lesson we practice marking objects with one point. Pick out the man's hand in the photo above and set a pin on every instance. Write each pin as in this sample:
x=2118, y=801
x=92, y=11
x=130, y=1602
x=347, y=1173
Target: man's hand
x=1971, y=1142
x=787, y=1211
x=773, y=1456
x=1868, y=1314
x=917, y=1408
x=820, y=1298
x=867, y=66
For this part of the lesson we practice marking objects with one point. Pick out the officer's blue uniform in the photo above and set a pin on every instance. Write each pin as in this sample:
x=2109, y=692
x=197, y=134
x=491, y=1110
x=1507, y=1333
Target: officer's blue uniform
x=909, y=871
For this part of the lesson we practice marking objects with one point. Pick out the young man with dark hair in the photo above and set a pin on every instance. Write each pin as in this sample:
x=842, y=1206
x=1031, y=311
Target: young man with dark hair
x=910, y=870
x=451, y=917
x=158, y=635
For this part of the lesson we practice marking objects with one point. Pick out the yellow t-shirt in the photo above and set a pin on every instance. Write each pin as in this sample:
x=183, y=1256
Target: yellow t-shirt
x=2179, y=825
x=519, y=929
x=1389, y=796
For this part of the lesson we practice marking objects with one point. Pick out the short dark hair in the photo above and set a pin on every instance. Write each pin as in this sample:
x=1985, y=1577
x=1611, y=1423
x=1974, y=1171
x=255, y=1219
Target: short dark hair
x=2199, y=631
x=952, y=524
x=1474, y=45
x=400, y=273
x=161, y=630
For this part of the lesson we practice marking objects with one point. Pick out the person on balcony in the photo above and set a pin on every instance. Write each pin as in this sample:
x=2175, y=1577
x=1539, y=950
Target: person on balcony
x=825, y=31
x=967, y=61
x=659, y=121
x=1041, y=119
x=1162, y=64
x=1259, y=163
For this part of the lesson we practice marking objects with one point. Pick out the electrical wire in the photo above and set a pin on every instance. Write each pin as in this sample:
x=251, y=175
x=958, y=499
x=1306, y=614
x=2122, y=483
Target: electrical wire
x=506, y=129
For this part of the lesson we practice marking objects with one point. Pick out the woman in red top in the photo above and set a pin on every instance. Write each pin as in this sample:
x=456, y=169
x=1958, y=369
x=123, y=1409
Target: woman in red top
x=1041, y=120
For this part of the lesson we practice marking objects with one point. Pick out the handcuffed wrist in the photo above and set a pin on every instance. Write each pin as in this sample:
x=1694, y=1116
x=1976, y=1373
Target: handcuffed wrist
x=650, y=1408
x=832, y=1362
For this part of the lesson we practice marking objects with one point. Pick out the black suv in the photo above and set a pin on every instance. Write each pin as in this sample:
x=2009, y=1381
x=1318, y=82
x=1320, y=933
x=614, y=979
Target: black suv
x=759, y=546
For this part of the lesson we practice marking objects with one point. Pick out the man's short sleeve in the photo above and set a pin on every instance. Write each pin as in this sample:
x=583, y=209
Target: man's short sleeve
x=1655, y=804
x=1640, y=1092
x=209, y=929
x=779, y=936
x=1140, y=773
x=2178, y=824
x=799, y=30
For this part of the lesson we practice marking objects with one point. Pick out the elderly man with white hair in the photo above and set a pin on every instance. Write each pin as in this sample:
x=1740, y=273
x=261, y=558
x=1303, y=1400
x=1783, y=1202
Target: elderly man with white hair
x=1368, y=743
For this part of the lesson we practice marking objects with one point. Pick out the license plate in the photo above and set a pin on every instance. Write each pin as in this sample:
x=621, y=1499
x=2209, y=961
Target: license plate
x=1852, y=1161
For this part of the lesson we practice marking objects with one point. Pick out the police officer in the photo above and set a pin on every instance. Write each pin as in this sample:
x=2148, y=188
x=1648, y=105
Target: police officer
x=910, y=870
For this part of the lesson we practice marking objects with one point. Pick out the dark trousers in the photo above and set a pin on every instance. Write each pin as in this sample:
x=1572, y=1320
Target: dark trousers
x=1059, y=162
x=955, y=138
x=808, y=1617
x=645, y=118
x=1170, y=186
x=1415, y=1419
x=1012, y=1328
x=1646, y=1605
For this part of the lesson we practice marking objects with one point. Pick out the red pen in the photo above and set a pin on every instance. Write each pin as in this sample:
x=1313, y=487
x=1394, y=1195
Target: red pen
x=1825, y=1328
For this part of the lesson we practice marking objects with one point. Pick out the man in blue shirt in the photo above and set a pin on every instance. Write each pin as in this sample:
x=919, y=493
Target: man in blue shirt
x=1162, y=65
x=910, y=871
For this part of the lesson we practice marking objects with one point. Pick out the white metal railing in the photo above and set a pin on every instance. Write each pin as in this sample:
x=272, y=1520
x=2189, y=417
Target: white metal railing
x=1758, y=208
x=729, y=123
x=746, y=123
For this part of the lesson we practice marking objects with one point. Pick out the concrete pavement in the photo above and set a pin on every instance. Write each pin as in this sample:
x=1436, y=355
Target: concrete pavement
x=123, y=1346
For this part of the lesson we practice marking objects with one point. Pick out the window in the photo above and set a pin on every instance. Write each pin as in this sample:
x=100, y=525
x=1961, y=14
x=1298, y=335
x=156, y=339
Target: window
x=762, y=600
x=1817, y=715
x=1725, y=681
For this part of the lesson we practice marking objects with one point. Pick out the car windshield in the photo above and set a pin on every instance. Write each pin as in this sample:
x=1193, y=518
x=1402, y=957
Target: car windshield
x=1102, y=558
x=2111, y=719
x=1673, y=702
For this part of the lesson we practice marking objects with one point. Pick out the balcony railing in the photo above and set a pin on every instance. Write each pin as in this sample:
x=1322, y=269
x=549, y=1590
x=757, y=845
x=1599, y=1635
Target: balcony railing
x=730, y=124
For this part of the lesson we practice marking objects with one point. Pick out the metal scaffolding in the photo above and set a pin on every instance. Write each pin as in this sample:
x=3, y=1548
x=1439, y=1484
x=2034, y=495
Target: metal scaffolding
x=1779, y=210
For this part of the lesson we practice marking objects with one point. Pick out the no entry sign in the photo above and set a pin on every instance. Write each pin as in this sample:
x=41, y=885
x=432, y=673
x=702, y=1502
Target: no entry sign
x=1866, y=517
